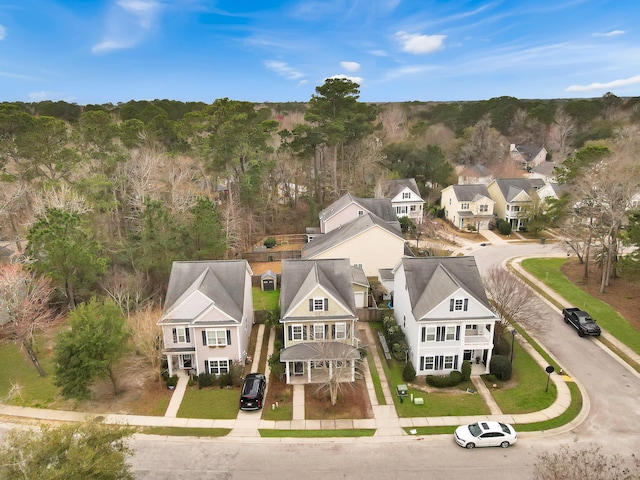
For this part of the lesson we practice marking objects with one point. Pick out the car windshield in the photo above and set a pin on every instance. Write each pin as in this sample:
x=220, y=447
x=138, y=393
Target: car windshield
x=587, y=320
x=474, y=429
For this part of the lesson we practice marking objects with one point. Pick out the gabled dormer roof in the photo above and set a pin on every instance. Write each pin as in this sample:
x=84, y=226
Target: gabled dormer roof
x=511, y=188
x=395, y=186
x=347, y=231
x=380, y=207
x=432, y=280
x=300, y=278
x=470, y=193
x=528, y=153
x=197, y=287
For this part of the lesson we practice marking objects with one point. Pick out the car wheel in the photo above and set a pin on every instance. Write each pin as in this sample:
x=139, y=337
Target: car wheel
x=470, y=445
x=505, y=444
x=580, y=333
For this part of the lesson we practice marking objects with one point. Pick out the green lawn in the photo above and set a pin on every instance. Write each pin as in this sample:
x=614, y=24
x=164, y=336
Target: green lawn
x=18, y=373
x=265, y=300
x=528, y=395
x=436, y=404
x=211, y=403
x=283, y=412
x=351, y=432
x=185, y=431
x=547, y=270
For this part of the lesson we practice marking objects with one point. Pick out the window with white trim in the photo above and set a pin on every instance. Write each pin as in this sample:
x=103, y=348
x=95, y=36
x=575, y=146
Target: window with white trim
x=450, y=333
x=406, y=195
x=318, y=331
x=401, y=209
x=181, y=335
x=458, y=304
x=296, y=332
x=464, y=206
x=218, y=367
x=340, y=331
x=360, y=213
x=216, y=338
x=428, y=363
x=448, y=362
x=318, y=304
x=484, y=208
x=431, y=334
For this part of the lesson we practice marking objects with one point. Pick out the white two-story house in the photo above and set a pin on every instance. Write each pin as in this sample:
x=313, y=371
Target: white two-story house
x=441, y=305
x=207, y=317
x=405, y=198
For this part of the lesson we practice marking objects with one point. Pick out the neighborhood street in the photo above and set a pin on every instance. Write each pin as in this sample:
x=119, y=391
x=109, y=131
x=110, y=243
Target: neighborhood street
x=611, y=406
x=612, y=389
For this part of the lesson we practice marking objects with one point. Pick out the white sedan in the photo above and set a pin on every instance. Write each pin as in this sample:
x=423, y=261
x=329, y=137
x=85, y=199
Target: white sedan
x=485, y=434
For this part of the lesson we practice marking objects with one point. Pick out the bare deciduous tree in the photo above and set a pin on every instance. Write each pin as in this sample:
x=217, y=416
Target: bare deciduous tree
x=24, y=307
x=146, y=339
x=61, y=197
x=584, y=464
x=336, y=365
x=512, y=300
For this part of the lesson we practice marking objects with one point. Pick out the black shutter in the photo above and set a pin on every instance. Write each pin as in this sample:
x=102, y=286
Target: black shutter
x=326, y=304
x=187, y=335
x=466, y=304
x=348, y=331
x=455, y=362
x=228, y=337
x=204, y=338
x=311, y=304
x=304, y=332
x=175, y=336
x=451, y=302
x=421, y=363
x=458, y=332
x=333, y=332
x=423, y=338
x=206, y=366
x=290, y=329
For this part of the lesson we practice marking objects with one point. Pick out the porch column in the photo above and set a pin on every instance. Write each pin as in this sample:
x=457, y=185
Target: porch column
x=308, y=371
x=170, y=364
x=286, y=370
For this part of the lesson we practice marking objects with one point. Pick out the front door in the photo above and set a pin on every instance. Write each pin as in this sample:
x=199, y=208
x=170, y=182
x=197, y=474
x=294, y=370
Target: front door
x=298, y=368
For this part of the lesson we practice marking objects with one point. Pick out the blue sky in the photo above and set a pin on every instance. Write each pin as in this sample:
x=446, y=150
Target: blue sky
x=98, y=51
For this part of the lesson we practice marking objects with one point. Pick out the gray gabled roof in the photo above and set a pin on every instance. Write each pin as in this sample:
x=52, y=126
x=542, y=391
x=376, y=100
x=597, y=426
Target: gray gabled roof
x=432, y=280
x=528, y=153
x=220, y=283
x=395, y=186
x=345, y=232
x=378, y=206
x=469, y=193
x=512, y=187
x=301, y=277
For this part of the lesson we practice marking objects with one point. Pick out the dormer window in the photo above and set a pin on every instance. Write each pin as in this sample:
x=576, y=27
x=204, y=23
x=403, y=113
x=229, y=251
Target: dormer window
x=360, y=213
x=458, y=304
x=318, y=304
x=406, y=195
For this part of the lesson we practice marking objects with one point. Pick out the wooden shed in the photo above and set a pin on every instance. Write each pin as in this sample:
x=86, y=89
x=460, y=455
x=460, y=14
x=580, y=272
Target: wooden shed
x=268, y=281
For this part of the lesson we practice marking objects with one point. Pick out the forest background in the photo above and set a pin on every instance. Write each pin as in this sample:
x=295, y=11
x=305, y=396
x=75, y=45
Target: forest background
x=106, y=197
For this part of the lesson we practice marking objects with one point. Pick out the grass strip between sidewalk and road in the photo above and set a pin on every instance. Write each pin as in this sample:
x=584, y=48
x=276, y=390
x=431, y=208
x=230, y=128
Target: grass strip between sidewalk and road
x=185, y=431
x=350, y=432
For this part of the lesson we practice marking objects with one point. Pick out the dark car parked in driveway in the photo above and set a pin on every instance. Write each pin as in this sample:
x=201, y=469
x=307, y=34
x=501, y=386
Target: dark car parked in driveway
x=252, y=395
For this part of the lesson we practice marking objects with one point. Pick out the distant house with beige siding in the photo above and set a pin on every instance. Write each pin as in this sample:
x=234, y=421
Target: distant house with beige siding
x=368, y=242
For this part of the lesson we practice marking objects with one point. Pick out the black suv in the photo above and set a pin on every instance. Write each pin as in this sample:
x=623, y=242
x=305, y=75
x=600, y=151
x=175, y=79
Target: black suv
x=253, y=388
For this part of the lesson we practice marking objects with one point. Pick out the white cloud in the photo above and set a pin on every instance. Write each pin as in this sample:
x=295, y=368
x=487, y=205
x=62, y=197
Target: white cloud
x=3, y=32
x=128, y=23
x=379, y=53
x=108, y=45
x=418, y=44
x=350, y=66
x=283, y=69
x=358, y=80
x=407, y=70
x=39, y=96
x=622, y=82
x=612, y=33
